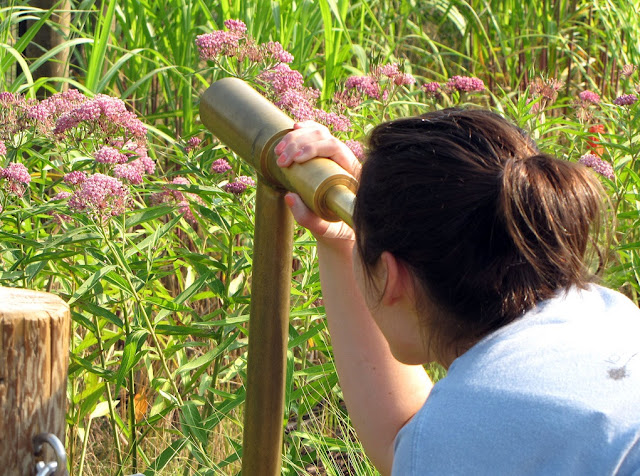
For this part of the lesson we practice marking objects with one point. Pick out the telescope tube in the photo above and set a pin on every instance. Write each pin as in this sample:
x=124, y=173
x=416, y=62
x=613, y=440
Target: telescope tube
x=252, y=126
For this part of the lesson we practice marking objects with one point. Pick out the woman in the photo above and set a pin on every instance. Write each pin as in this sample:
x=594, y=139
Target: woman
x=470, y=249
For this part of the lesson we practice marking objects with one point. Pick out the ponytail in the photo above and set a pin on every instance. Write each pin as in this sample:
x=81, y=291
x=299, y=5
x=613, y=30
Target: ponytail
x=548, y=208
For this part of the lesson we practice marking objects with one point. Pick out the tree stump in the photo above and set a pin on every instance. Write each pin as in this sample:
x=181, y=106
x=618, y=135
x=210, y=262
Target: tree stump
x=34, y=358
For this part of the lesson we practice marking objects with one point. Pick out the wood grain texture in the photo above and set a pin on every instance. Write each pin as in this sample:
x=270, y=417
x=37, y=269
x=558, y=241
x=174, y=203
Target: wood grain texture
x=34, y=358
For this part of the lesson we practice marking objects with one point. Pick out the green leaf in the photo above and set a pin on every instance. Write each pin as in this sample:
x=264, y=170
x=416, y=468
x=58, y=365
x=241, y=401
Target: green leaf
x=192, y=422
x=90, y=283
x=102, y=409
x=146, y=215
x=166, y=456
x=130, y=355
x=209, y=357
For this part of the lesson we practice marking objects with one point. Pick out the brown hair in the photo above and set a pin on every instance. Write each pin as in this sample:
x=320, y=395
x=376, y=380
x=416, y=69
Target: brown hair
x=488, y=225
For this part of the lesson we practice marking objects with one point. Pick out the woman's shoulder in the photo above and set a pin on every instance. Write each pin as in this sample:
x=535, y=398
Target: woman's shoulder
x=560, y=381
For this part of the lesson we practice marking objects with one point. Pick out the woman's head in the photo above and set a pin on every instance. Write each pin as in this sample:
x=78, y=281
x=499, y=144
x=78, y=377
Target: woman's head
x=487, y=224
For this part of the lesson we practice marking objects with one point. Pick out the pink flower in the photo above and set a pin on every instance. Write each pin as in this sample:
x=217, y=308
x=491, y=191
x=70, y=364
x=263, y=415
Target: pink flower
x=193, y=143
x=17, y=177
x=187, y=213
x=61, y=196
x=100, y=194
x=296, y=102
x=106, y=114
x=220, y=166
x=3, y=148
x=389, y=70
x=625, y=100
x=596, y=163
x=16, y=172
x=365, y=85
x=330, y=119
x=240, y=185
x=356, y=148
x=211, y=45
x=465, y=84
x=275, y=50
x=179, y=198
x=236, y=26
x=135, y=170
x=109, y=155
x=347, y=99
x=432, y=89
x=74, y=178
x=54, y=106
x=589, y=96
x=404, y=79
x=282, y=78
x=130, y=172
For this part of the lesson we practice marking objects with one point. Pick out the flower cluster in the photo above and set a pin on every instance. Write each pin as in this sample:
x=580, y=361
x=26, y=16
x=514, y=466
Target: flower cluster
x=104, y=114
x=356, y=148
x=377, y=85
x=101, y=196
x=193, y=143
x=239, y=185
x=289, y=94
x=178, y=198
x=596, y=163
x=14, y=117
x=234, y=42
x=432, y=89
x=48, y=111
x=17, y=179
x=465, y=84
x=220, y=166
x=459, y=84
x=109, y=155
x=625, y=100
x=74, y=178
x=3, y=148
x=544, y=92
x=589, y=97
x=134, y=171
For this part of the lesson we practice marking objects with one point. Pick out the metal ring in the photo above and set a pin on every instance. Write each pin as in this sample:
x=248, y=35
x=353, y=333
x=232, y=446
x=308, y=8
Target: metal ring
x=58, y=449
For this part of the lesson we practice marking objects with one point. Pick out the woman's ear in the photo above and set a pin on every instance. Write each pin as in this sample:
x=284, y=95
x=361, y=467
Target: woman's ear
x=398, y=284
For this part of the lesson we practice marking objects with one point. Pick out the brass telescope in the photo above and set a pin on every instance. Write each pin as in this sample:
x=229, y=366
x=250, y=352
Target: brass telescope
x=252, y=126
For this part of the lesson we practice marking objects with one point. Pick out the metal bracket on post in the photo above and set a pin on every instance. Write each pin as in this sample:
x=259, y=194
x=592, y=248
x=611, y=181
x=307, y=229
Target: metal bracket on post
x=53, y=468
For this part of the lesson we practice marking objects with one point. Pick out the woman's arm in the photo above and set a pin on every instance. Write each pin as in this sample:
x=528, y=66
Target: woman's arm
x=381, y=393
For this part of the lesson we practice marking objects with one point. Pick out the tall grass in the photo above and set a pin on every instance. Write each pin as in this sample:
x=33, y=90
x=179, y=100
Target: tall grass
x=160, y=304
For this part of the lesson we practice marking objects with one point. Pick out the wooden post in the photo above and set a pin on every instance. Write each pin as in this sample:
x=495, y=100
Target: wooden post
x=48, y=37
x=34, y=358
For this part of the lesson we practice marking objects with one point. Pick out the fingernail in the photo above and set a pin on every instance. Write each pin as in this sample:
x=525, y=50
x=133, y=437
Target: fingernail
x=282, y=159
x=289, y=200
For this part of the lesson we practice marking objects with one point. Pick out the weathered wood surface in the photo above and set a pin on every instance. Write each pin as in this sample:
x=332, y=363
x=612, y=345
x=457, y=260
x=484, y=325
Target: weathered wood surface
x=34, y=358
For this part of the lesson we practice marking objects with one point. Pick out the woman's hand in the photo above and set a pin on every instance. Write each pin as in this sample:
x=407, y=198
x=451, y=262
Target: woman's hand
x=307, y=141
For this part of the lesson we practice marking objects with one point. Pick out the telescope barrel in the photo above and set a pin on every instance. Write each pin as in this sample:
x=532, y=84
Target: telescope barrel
x=251, y=126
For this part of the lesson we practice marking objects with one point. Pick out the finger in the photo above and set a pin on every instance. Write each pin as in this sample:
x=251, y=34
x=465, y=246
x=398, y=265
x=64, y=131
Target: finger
x=320, y=228
x=305, y=144
x=307, y=126
x=331, y=148
x=304, y=216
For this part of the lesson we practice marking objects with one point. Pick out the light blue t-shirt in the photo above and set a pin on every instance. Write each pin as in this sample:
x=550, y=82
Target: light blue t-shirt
x=556, y=392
